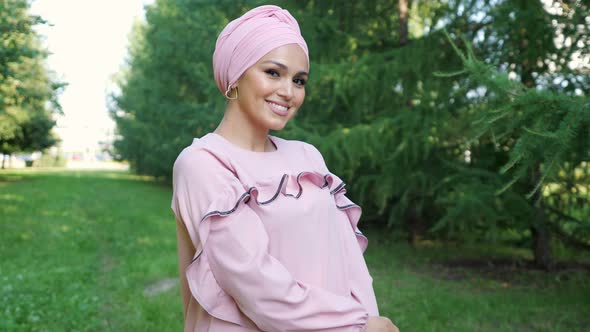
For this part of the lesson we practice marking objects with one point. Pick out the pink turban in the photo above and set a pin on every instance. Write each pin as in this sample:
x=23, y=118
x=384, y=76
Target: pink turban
x=248, y=38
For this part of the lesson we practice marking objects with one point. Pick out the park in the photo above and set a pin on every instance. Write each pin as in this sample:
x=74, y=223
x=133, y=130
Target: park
x=462, y=129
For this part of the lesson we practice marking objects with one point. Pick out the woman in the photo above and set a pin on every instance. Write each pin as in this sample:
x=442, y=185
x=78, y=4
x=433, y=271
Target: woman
x=267, y=241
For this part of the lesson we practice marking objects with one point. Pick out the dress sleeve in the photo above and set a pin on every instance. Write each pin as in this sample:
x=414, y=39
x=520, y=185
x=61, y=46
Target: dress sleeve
x=352, y=210
x=232, y=254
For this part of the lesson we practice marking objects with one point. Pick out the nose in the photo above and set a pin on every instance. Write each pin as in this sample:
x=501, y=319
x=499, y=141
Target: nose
x=286, y=89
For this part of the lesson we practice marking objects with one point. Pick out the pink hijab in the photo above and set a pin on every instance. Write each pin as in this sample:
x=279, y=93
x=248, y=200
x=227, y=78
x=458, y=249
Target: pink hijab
x=248, y=38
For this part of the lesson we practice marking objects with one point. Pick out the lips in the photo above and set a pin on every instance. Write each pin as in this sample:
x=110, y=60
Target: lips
x=278, y=108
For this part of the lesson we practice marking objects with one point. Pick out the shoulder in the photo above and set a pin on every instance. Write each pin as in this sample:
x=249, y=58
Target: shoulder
x=200, y=160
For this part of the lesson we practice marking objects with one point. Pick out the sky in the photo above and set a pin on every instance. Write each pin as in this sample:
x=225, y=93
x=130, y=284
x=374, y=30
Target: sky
x=87, y=40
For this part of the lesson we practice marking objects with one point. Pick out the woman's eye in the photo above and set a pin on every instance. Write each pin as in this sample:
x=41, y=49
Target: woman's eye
x=299, y=81
x=272, y=72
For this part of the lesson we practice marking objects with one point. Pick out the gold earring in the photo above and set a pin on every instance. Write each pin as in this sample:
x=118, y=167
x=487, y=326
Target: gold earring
x=229, y=88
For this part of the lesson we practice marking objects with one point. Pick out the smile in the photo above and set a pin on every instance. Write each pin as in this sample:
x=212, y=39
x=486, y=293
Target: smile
x=278, y=109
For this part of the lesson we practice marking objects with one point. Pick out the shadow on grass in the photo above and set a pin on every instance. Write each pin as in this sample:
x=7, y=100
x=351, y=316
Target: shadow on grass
x=10, y=176
x=488, y=266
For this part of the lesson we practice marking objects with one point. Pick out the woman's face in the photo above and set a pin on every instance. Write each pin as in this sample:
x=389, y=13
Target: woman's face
x=271, y=91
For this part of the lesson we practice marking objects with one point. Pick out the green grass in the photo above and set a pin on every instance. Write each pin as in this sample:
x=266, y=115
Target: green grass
x=420, y=293
x=79, y=249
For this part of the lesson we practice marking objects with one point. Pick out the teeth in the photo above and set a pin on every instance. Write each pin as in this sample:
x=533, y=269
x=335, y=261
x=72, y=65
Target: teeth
x=279, y=107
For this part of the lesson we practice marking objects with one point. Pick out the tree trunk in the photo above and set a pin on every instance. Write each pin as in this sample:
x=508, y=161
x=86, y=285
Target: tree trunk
x=3, y=161
x=415, y=224
x=413, y=216
x=542, y=246
x=539, y=228
x=538, y=225
x=402, y=7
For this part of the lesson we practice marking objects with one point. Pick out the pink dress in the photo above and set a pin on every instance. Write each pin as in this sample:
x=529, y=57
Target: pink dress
x=277, y=243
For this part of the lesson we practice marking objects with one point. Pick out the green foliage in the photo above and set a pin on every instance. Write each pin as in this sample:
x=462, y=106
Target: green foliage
x=547, y=136
x=457, y=155
x=28, y=96
x=167, y=87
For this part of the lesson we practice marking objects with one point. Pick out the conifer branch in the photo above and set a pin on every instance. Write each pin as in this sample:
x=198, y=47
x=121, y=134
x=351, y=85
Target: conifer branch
x=507, y=186
x=542, y=134
x=541, y=180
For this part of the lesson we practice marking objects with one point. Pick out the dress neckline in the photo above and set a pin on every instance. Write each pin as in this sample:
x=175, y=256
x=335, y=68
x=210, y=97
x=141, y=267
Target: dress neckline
x=240, y=149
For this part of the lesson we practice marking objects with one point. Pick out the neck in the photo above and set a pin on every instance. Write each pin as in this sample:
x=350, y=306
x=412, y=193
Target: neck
x=239, y=130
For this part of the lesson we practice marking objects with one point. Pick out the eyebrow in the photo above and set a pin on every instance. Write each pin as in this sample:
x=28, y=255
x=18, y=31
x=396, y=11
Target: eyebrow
x=302, y=72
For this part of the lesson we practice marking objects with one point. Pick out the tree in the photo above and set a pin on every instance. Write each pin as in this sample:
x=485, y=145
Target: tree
x=404, y=138
x=536, y=128
x=166, y=87
x=28, y=96
x=413, y=156
x=547, y=134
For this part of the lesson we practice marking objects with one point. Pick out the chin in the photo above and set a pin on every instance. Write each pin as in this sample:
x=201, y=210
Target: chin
x=277, y=126
x=277, y=123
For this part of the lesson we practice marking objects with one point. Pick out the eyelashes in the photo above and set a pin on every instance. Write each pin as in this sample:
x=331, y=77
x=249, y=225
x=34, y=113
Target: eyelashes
x=275, y=74
x=300, y=81
x=272, y=72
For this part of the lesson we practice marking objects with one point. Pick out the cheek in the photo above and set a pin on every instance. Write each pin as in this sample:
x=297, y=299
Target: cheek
x=258, y=85
x=269, y=88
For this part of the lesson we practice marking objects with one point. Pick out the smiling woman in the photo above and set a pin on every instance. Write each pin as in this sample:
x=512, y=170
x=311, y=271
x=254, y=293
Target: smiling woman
x=270, y=93
x=267, y=239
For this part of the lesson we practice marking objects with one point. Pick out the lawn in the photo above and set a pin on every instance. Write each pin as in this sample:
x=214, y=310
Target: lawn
x=96, y=251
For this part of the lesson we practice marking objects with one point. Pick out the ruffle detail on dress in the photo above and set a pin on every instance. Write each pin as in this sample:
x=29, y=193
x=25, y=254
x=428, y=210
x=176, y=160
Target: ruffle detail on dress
x=354, y=214
x=201, y=281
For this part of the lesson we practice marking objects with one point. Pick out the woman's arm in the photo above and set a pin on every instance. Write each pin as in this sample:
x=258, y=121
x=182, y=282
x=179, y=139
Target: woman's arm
x=186, y=252
x=381, y=324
